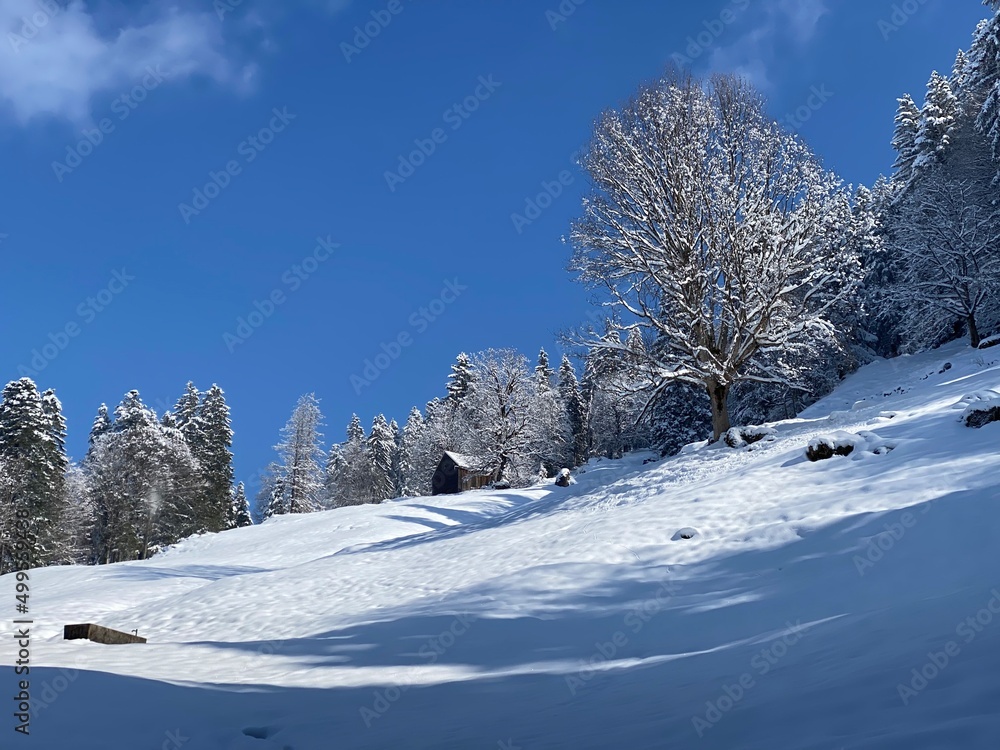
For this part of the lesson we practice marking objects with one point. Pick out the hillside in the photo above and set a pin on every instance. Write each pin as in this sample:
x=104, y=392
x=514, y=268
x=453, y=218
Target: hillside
x=578, y=618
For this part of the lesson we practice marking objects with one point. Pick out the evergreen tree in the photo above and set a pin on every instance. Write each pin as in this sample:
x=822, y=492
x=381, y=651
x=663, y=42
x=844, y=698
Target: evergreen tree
x=983, y=83
x=939, y=120
x=216, y=458
x=239, y=513
x=272, y=499
x=355, y=432
x=32, y=451
x=355, y=487
x=10, y=557
x=102, y=423
x=960, y=74
x=412, y=461
x=186, y=416
x=555, y=441
x=145, y=483
x=381, y=449
x=678, y=417
x=336, y=477
x=77, y=521
x=904, y=139
x=935, y=275
x=635, y=353
x=863, y=237
x=572, y=402
x=882, y=314
x=52, y=409
x=544, y=374
x=397, y=459
x=610, y=411
x=56, y=450
x=452, y=425
x=460, y=380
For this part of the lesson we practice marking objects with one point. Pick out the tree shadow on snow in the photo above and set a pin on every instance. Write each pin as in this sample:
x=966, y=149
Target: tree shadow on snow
x=662, y=654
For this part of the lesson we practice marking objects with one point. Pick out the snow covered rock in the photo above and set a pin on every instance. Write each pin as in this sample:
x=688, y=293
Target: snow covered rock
x=836, y=444
x=685, y=533
x=979, y=408
x=981, y=414
x=842, y=443
x=990, y=342
x=740, y=437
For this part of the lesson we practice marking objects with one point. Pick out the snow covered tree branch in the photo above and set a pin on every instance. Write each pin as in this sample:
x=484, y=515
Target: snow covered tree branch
x=713, y=231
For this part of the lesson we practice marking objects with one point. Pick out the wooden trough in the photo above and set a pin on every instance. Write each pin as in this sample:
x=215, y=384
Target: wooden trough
x=99, y=634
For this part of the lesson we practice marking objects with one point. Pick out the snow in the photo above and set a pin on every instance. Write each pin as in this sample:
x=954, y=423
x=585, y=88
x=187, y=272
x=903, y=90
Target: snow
x=465, y=462
x=857, y=445
x=977, y=398
x=989, y=342
x=741, y=437
x=572, y=617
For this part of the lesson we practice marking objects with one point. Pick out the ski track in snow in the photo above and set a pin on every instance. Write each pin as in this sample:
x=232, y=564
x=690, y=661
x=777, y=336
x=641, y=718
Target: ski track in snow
x=550, y=618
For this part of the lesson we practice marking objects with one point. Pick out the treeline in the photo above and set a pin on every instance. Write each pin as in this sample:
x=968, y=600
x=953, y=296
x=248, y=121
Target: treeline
x=936, y=275
x=144, y=483
x=520, y=422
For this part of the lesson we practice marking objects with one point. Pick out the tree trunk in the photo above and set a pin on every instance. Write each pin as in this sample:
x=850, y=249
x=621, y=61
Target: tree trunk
x=502, y=469
x=719, y=396
x=974, y=335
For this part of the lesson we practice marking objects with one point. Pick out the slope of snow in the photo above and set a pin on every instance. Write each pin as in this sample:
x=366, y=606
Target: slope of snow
x=579, y=618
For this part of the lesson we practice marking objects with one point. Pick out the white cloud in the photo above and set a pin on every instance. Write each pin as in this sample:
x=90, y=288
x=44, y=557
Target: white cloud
x=54, y=58
x=782, y=23
x=803, y=17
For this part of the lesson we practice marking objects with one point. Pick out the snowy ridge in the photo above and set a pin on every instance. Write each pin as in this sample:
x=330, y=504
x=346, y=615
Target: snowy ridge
x=551, y=617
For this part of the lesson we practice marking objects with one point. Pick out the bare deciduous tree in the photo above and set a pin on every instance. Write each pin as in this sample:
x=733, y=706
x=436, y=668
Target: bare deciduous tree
x=302, y=457
x=714, y=232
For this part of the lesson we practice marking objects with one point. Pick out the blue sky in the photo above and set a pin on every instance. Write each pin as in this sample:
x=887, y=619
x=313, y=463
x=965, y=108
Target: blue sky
x=174, y=168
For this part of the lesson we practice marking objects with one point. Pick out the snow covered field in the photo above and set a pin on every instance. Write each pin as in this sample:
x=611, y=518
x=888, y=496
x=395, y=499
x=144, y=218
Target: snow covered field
x=578, y=618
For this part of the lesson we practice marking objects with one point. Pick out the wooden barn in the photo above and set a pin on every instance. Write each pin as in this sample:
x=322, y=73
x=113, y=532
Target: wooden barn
x=457, y=473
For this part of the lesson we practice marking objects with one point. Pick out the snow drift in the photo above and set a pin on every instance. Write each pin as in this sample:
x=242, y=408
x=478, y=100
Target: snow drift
x=848, y=603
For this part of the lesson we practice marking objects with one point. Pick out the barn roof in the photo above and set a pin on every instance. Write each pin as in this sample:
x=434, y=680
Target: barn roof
x=472, y=463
